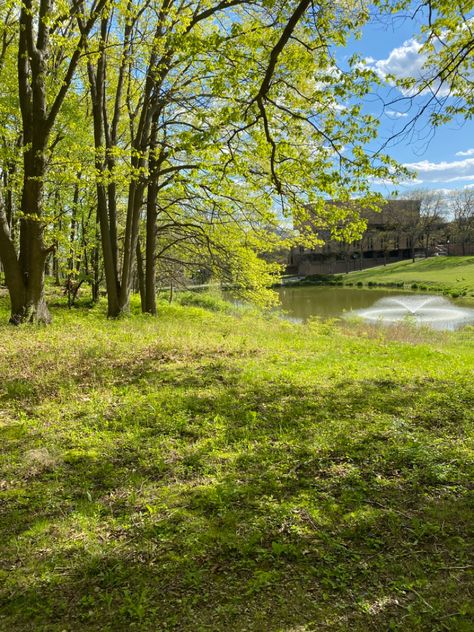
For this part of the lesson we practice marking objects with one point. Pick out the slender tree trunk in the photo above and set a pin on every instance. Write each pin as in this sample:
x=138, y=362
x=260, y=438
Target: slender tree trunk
x=150, y=261
x=97, y=86
x=7, y=183
x=11, y=266
x=141, y=275
x=151, y=217
x=135, y=194
x=73, y=259
x=56, y=270
x=96, y=265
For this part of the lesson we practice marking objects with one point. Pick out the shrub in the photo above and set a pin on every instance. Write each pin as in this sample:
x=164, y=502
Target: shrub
x=212, y=302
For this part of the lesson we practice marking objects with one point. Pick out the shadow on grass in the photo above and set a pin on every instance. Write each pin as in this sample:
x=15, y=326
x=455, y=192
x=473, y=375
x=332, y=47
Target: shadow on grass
x=212, y=501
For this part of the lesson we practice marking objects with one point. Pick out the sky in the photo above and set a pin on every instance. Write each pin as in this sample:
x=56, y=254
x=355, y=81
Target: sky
x=443, y=158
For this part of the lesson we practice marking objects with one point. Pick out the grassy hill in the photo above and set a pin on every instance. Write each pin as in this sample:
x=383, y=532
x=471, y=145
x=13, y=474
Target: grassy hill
x=212, y=470
x=452, y=274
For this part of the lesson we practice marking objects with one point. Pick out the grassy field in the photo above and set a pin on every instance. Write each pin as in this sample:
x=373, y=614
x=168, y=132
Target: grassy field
x=212, y=470
x=451, y=274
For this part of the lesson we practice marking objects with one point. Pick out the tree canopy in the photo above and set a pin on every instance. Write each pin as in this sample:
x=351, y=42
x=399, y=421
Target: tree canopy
x=171, y=137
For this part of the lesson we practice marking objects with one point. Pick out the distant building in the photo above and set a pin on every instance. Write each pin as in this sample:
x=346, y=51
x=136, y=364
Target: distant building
x=399, y=231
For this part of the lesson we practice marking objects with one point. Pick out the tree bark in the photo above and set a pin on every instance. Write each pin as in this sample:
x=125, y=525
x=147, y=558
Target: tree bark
x=11, y=267
x=151, y=217
x=97, y=88
x=141, y=275
x=33, y=253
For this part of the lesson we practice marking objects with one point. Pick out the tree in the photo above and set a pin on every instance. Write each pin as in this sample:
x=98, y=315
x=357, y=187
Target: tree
x=209, y=128
x=419, y=220
x=40, y=66
x=463, y=221
x=209, y=120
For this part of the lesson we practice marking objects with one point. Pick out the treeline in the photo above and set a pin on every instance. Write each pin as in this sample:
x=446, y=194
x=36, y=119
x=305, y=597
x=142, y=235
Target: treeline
x=146, y=141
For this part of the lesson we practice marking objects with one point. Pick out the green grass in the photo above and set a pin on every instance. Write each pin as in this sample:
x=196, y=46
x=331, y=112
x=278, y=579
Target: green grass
x=450, y=274
x=212, y=470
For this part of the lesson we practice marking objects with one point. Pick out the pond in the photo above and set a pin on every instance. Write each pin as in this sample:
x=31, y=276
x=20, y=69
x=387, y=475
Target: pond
x=376, y=305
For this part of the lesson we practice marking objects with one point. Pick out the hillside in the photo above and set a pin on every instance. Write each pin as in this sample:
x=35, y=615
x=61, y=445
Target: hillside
x=454, y=274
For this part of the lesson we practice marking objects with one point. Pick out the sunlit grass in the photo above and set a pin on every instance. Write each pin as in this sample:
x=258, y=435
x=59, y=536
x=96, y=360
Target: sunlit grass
x=213, y=469
x=452, y=274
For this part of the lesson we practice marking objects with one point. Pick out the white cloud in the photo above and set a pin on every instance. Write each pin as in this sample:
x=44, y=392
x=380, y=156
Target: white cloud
x=468, y=152
x=403, y=62
x=413, y=183
x=444, y=171
x=444, y=192
x=406, y=183
x=394, y=114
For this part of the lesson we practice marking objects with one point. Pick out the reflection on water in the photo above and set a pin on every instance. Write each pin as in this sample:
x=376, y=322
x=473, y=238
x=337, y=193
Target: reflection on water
x=375, y=305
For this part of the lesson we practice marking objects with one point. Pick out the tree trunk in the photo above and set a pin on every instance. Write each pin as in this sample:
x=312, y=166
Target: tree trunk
x=32, y=257
x=97, y=86
x=150, y=248
x=135, y=194
x=141, y=276
x=11, y=267
x=96, y=267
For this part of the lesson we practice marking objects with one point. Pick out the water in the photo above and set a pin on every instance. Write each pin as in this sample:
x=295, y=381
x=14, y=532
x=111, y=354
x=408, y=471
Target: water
x=376, y=306
x=434, y=311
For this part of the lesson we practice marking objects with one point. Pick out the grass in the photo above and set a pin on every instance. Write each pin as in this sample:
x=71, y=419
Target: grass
x=453, y=275
x=218, y=470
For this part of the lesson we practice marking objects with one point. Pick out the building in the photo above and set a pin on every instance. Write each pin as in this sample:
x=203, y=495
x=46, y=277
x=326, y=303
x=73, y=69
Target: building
x=399, y=231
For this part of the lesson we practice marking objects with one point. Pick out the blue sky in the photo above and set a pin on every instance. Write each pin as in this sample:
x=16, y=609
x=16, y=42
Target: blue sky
x=443, y=159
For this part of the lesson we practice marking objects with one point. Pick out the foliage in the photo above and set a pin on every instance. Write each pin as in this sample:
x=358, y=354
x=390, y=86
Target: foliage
x=197, y=112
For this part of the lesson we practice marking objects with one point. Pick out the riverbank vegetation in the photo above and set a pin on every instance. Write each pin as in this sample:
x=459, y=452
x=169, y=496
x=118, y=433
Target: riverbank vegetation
x=451, y=275
x=222, y=469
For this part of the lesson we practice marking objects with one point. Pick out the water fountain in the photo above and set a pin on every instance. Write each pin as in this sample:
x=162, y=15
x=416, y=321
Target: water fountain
x=434, y=311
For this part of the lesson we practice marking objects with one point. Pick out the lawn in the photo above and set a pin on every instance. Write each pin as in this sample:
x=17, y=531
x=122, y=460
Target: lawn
x=221, y=470
x=454, y=274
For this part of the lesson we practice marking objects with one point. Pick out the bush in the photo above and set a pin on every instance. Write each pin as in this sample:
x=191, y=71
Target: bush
x=211, y=302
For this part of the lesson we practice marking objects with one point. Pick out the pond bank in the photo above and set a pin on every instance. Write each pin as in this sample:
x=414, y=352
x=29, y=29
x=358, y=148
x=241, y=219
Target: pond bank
x=452, y=276
x=305, y=302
